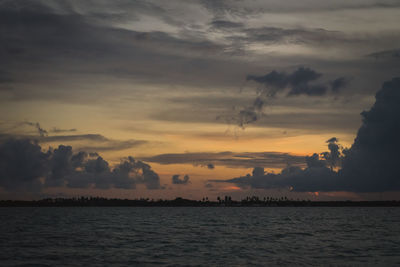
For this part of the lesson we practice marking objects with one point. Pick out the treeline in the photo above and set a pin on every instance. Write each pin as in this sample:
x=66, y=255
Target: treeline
x=226, y=201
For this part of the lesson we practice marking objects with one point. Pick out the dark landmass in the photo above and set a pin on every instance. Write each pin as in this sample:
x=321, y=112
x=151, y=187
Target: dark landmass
x=181, y=202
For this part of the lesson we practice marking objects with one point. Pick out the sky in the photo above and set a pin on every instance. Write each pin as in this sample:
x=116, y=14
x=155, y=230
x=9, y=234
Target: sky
x=165, y=99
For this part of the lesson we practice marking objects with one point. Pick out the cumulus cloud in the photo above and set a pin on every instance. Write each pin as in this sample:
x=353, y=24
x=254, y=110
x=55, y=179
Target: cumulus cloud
x=24, y=166
x=369, y=165
x=315, y=177
x=177, y=180
x=333, y=157
x=372, y=161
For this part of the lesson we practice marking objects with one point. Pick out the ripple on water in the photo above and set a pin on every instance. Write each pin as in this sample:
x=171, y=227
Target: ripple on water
x=199, y=236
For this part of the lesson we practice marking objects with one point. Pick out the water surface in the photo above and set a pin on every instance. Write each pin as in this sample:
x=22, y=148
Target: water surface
x=199, y=236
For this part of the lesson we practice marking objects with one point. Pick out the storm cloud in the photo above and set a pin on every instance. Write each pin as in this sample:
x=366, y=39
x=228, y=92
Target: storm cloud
x=369, y=165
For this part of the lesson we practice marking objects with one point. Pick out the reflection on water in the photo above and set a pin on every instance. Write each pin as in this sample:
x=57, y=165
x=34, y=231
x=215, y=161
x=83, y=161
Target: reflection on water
x=199, y=236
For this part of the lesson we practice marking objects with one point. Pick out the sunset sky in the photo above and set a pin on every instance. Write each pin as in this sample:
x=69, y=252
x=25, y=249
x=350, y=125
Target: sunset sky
x=209, y=90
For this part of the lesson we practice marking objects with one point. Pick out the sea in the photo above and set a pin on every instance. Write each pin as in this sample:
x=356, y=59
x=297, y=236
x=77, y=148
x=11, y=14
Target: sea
x=199, y=236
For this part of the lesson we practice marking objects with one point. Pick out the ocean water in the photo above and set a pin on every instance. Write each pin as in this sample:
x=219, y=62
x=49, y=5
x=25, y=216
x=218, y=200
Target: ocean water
x=199, y=236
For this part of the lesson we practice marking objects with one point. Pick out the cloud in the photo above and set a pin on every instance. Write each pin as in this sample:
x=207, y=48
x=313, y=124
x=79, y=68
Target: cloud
x=300, y=82
x=386, y=54
x=177, y=180
x=42, y=132
x=224, y=24
x=94, y=142
x=58, y=130
x=5, y=77
x=372, y=161
x=117, y=47
x=24, y=166
x=114, y=145
x=369, y=165
x=208, y=185
x=230, y=159
x=315, y=177
x=339, y=83
x=299, y=36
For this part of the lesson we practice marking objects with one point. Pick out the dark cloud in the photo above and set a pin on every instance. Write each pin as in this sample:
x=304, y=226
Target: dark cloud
x=42, y=132
x=60, y=165
x=314, y=115
x=58, y=130
x=24, y=166
x=210, y=166
x=177, y=180
x=94, y=142
x=114, y=145
x=298, y=82
x=370, y=165
x=208, y=185
x=386, y=54
x=339, y=83
x=315, y=177
x=76, y=137
x=274, y=35
x=5, y=77
x=87, y=39
x=243, y=8
x=224, y=24
x=230, y=159
x=303, y=81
